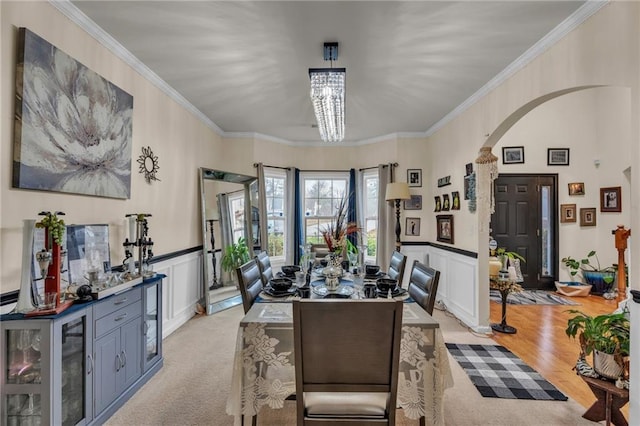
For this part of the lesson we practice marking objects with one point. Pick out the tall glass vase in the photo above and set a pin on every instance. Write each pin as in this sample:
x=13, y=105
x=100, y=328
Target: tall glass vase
x=25, y=301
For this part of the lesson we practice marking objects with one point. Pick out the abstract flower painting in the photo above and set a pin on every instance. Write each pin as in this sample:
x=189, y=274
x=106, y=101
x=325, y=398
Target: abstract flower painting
x=73, y=128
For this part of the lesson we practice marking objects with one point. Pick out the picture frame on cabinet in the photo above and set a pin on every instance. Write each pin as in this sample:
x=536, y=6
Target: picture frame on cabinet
x=588, y=216
x=557, y=156
x=513, y=155
x=568, y=213
x=611, y=199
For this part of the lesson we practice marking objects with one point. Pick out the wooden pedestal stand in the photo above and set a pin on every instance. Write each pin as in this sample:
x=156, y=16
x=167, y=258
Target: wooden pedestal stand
x=610, y=400
x=52, y=281
x=621, y=236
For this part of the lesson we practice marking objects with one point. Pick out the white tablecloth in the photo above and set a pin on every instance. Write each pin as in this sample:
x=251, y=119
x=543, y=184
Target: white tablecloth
x=264, y=374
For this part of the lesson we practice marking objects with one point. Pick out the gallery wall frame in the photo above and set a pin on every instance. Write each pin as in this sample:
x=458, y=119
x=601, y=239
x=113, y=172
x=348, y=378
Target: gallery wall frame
x=414, y=177
x=588, y=216
x=444, y=228
x=513, y=155
x=412, y=226
x=415, y=203
x=438, y=204
x=611, y=199
x=557, y=156
x=446, y=204
x=455, y=203
x=83, y=144
x=568, y=213
x=576, y=188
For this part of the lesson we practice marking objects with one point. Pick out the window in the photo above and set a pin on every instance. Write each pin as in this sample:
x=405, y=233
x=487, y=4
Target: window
x=370, y=198
x=236, y=211
x=276, y=200
x=322, y=194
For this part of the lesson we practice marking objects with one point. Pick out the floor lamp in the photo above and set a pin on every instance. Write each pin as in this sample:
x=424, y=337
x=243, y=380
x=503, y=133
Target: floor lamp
x=213, y=216
x=397, y=191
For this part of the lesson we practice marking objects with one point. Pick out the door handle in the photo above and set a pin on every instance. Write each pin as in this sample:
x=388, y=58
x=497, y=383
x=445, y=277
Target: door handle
x=90, y=359
x=120, y=302
x=118, y=362
x=123, y=357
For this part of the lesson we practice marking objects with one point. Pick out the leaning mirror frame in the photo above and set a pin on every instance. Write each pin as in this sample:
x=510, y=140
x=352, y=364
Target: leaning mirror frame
x=252, y=234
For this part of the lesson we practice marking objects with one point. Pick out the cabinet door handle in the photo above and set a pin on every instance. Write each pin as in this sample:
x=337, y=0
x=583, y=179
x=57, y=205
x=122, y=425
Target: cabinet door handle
x=120, y=302
x=90, y=359
x=146, y=328
x=118, y=362
x=124, y=358
x=121, y=317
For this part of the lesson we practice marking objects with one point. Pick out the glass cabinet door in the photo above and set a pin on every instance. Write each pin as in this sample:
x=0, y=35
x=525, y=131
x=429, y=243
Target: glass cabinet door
x=73, y=386
x=152, y=315
x=25, y=369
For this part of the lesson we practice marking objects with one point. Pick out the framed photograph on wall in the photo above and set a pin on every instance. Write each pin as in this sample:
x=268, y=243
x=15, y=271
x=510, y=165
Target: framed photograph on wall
x=455, y=203
x=444, y=230
x=513, y=155
x=567, y=213
x=414, y=177
x=445, y=202
x=611, y=199
x=438, y=205
x=576, y=188
x=415, y=203
x=588, y=216
x=412, y=226
x=557, y=156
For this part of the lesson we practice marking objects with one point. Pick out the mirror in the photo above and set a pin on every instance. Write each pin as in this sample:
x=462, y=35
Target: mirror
x=229, y=210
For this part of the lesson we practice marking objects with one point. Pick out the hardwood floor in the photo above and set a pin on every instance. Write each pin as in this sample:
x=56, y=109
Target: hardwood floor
x=541, y=342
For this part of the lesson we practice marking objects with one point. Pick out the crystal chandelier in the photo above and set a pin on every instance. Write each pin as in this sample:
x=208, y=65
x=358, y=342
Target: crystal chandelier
x=327, y=96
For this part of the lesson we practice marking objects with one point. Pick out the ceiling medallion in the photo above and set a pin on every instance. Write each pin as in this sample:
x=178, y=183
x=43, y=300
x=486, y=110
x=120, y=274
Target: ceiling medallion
x=148, y=164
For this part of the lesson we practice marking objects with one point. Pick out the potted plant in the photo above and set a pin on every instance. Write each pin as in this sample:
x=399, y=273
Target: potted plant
x=235, y=255
x=601, y=279
x=607, y=336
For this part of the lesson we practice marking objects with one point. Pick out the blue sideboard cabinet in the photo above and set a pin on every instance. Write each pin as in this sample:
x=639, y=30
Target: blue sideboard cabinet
x=79, y=367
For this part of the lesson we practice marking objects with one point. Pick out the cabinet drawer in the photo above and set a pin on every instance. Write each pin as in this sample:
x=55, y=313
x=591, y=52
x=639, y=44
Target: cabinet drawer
x=118, y=318
x=115, y=302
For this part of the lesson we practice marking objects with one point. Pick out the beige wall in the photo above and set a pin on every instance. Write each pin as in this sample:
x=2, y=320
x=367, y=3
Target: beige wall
x=182, y=143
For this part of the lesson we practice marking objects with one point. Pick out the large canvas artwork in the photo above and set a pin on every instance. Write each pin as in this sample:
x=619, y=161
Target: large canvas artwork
x=73, y=128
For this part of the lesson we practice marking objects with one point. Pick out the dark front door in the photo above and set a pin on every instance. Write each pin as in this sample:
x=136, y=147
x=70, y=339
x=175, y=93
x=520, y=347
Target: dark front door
x=525, y=222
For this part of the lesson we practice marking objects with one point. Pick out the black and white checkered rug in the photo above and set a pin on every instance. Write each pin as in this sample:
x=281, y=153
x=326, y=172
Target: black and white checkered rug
x=498, y=373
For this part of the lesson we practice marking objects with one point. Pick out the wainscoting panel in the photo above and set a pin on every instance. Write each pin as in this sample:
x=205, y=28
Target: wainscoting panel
x=458, y=288
x=181, y=289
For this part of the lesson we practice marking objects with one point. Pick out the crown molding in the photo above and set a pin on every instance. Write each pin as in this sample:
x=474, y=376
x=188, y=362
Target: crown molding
x=578, y=17
x=69, y=10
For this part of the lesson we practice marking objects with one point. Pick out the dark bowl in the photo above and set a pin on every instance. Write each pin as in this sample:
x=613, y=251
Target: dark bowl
x=386, y=284
x=281, y=284
x=290, y=270
x=324, y=262
x=371, y=269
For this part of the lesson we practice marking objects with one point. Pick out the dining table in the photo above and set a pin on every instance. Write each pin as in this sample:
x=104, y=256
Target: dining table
x=264, y=372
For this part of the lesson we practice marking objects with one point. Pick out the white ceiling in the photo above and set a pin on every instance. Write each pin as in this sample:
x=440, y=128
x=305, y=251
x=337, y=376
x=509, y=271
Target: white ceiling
x=410, y=64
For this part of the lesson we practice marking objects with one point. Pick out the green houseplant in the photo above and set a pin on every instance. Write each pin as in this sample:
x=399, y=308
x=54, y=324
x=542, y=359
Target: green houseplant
x=607, y=336
x=235, y=255
x=601, y=279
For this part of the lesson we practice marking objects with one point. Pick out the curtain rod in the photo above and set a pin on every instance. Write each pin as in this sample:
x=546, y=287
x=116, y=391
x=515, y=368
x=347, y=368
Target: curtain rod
x=271, y=167
x=375, y=167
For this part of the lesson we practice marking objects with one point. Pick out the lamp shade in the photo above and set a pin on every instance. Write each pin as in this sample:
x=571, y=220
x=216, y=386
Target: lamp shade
x=398, y=191
x=212, y=214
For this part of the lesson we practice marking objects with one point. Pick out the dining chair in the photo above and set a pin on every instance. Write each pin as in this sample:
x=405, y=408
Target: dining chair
x=264, y=264
x=347, y=356
x=396, y=267
x=423, y=285
x=250, y=280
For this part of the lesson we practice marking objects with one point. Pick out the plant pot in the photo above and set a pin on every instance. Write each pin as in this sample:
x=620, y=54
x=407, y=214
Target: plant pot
x=606, y=365
x=601, y=282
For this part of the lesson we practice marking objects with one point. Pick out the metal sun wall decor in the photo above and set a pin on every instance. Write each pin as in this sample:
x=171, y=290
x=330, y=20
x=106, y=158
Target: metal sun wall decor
x=148, y=164
x=72, y=127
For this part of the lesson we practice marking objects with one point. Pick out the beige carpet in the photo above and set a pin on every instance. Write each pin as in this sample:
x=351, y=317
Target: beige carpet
x=192, y=387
